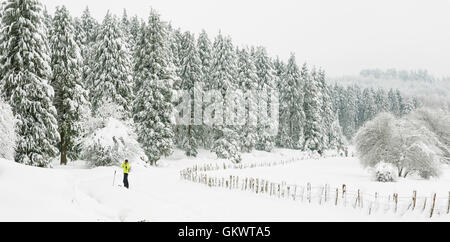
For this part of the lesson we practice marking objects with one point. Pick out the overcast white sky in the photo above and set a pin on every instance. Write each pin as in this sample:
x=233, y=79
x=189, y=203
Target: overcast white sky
x=342, y=36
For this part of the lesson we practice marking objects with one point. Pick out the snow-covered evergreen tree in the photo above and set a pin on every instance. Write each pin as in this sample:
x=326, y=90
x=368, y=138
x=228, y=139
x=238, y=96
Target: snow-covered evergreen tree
x=134, y=32
x=25, y=64
x=153, y=108
x=331, y=130
x=267, y=84
x=111, y=74
x=368, y=107
x=223, y=79
x=280, y=70
x=48, y=22
x=394, y=104
x=313, y=128
x=248, y=83
x=176, y=39
x=381, y=101
x=87, y=33
x=89, y=25
x=291, y=106
x=70, y=95
x=190, y=74
x=204, y=46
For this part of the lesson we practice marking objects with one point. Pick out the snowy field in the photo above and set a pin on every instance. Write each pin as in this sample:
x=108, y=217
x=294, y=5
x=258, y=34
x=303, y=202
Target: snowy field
x=76, y=193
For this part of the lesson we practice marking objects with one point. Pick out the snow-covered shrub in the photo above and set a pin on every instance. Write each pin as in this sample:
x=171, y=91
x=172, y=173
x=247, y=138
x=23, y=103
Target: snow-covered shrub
x=112, y=144
x=384, y=172
x=227, y=147
x=99, y=155
x=7, y=134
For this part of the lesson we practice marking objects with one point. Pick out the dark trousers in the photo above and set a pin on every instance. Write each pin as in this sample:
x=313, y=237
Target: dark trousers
x=125, y=180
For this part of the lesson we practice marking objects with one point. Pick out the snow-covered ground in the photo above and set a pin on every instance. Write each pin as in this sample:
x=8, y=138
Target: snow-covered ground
x=77, y=193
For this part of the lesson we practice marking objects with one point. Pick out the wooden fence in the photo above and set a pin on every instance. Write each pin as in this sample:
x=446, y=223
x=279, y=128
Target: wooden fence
x=323, y=194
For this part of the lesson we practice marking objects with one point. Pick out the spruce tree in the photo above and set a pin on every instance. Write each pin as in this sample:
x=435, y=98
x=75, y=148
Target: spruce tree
x=394, y=105
x=313, y=113
x=88, y=32
x=204, y=46
x=190, y=74
x=266, y=86
x=331, y=130
x=248, y=83
x=291, y=107
x=280, y=70
x=224, y=79
x=153, y=108
x=70, y=95
x=25, y=63
x=111, y=74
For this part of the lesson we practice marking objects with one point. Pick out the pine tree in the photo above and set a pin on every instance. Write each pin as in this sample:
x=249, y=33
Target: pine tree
x=204, y=46
x=89, y=25
x=381, y=101
x=87, y=34
x=266, y=85
x=79, y=35
x=190, y=74
x=125, y=24
x=25, y=64
x=331, y=130
x=70, y=95
x=223, y=79
x=134, y=33
x=313, y=113
x=48, y=22
x=368, y=105
x=280, y=70
x=248, y=83
x=153, y=107
x=176, y=45
x=291, y=106
x=349, y=111
x=111, y=71
x=394, y=105
x=408, y=106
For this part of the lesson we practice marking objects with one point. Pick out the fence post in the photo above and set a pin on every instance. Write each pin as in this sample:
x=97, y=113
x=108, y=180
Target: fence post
x=337, y=195
x=279, y=190
x=414, y=200
x=322, y=188
x=432, y=206
x=396, y=201
x=257, y=185
x=344, y=195
x=424, y=204
x=309, y=192
x=448, y=207
x=357, y=204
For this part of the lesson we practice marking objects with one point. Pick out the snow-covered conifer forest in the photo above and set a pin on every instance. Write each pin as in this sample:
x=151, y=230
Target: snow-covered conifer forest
x=213, y=130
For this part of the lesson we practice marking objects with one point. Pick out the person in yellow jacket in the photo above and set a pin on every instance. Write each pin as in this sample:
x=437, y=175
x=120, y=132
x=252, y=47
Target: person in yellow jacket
x=126, y=170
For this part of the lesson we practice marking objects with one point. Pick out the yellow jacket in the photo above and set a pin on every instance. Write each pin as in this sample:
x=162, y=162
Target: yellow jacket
x=126, y=168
